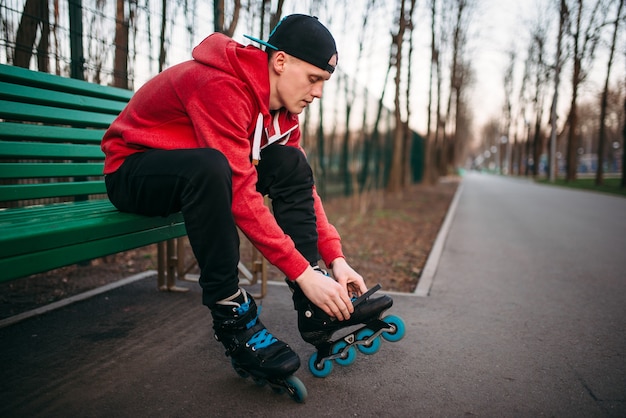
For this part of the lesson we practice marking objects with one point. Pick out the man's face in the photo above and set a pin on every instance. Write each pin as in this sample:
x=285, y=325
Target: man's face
x=300, y=83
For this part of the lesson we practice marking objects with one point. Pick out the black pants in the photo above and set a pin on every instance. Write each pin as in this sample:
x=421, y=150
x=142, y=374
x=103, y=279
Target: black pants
x=198, y=182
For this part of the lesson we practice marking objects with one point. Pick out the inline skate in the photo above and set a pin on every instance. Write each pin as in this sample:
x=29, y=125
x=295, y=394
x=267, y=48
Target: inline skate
x=317, y=328
x=255, y=352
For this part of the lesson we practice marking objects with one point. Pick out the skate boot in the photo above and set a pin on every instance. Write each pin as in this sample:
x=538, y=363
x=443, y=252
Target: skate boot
x=317, y=328
x=253, y=350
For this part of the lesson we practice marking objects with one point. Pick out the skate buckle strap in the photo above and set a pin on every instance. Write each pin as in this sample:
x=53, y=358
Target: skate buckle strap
x=244, y=308
x=366, y=295
x=260, y=339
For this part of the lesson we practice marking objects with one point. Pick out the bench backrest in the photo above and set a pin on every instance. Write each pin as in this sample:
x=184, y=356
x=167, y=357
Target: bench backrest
x=50, y=132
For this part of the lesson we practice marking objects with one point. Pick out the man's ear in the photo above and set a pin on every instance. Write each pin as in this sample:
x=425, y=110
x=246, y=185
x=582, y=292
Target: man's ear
x=279, y=59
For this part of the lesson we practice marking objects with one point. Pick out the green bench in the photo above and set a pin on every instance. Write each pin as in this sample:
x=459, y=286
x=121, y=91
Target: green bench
x=53, y=205
x=54, y=210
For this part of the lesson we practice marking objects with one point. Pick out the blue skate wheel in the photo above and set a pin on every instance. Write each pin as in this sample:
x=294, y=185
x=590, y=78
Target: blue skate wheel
x=326, y=367
x=296, y=389
x=348, y=356
x=398, y=324
x=370, y=348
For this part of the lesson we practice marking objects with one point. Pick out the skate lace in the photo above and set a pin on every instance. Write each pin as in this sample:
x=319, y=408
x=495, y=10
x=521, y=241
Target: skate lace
x=262, y=338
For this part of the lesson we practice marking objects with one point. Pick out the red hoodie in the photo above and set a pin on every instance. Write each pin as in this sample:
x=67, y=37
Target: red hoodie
x=220, y=100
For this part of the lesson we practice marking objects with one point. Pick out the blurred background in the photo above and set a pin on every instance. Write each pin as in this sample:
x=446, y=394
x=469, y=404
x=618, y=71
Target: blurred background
x=424, y=88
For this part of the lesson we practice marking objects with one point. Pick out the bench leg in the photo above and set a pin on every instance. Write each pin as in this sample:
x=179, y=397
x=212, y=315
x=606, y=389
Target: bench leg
x=161, y=266
x=257, y=274
x=246, y=277
x=167, y=262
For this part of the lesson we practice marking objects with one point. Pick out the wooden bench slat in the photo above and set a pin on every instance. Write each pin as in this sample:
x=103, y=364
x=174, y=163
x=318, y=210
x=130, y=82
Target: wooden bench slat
x=53, y=134
x=35, y=170
x=38, y=213
x=14, y=192
x=38, y=113
x=102, y=221
x=26, y=77
x=63, y=228
x=27, y=94
x=36, y=262
x=37, y=150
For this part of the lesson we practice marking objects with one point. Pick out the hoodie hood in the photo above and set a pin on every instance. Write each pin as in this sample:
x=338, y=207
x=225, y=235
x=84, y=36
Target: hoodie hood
x=247, y=63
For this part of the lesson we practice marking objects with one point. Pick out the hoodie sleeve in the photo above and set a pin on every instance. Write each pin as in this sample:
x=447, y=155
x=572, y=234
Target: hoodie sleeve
x=329, y=241
x=222, y=120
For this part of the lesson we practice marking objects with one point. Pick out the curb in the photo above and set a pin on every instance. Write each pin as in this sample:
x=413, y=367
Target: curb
x=430, y=268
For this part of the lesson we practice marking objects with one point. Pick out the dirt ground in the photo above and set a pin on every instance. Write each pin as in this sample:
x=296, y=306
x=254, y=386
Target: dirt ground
x=386, y=238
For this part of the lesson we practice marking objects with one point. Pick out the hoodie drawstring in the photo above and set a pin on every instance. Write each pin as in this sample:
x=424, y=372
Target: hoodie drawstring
x=283, y=137
x=256, y=142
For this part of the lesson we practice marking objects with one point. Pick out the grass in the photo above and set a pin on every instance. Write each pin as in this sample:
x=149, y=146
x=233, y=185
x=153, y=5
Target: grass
x=610, y=185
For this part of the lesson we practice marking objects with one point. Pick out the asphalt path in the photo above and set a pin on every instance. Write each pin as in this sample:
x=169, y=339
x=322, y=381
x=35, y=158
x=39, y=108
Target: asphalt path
x=525, y=316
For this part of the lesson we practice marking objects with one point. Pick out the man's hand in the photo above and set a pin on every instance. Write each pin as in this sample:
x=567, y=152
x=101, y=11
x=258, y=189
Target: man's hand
x=349, y=279
x=326, y=293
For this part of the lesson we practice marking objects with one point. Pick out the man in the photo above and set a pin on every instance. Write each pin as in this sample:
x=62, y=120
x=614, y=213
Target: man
x=209, y=137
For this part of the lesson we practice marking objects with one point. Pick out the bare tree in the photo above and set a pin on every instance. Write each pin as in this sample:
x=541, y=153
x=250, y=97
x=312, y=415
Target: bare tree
x=443, y=40
x=396, y=173
x=120, y=62
x=523, y=101
x=96, y=52
x=541, y=79
x=219, y=17
x=408, y=133
x=585, y=37
x=623, y=182
x=374, y=144
x=531, y=100
x=605, y=94
x=558, y=62
x=34, y=18
x=55, y=36
x=508, y=109
x=430, y=164
x=460, y=77
x=163, y=36
x=440, y=136
x=350, y=92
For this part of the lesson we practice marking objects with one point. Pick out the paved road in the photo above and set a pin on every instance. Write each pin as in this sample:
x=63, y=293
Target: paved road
x=531, y=295
x=526, y=317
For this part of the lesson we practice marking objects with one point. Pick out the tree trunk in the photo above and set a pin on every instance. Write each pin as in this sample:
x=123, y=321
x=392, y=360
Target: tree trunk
x=219, y=18
x=557, y=77
x=623, y=184
x=604, y=100
x=35, y=14
x=572, y=121
x=372, y=146
x=344, y=167
x=396, y=170
x=162, y=40
x=120, y=64
x=218, y=15
x=585, y=41
x=408, y=172
x=430, y=172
